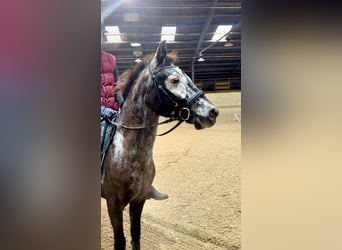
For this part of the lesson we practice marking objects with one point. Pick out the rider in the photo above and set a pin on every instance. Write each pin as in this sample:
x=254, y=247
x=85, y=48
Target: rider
x=110, y=103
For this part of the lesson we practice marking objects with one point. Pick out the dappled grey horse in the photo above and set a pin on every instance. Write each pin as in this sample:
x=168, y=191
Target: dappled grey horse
x=153, y=88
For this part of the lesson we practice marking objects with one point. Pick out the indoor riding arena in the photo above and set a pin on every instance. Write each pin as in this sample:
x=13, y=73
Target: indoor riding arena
x=198, y=169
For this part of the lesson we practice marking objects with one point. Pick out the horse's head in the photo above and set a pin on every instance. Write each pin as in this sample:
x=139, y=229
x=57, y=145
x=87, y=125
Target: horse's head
x=177, y=95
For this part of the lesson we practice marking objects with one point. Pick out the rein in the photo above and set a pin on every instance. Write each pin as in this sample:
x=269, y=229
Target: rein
x=183, y=109
x=151, y=126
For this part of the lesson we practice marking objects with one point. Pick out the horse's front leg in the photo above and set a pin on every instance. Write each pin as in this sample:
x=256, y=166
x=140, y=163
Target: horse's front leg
x=135, y=210
x=115, y=211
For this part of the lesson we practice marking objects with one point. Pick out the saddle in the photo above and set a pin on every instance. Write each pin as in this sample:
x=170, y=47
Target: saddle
x=108, y=116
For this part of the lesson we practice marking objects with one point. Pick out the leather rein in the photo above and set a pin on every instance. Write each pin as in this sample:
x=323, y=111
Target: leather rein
x=183, y=109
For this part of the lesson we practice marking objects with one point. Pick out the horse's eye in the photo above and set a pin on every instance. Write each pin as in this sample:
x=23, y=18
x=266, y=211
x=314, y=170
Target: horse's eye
x=175, y=80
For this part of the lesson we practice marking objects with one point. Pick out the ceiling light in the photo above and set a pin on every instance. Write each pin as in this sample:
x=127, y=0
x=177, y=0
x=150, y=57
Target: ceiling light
x=113, y=38
x=113, y=34
x=228, y=43
x=168, y=33
x=138, y=60
x=200, y=59
x=220, y=31
x=135, y=44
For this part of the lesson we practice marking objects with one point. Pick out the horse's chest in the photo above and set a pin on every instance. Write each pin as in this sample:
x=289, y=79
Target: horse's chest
x=133, y=154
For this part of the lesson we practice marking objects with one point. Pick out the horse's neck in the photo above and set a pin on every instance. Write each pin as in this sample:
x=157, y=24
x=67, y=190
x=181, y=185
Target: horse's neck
x=136, y=113
x=137, y=117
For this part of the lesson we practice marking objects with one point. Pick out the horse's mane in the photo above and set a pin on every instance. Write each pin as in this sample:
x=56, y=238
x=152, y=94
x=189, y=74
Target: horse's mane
x=129, y=77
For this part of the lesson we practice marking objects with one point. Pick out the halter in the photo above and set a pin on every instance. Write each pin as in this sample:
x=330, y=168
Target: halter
x=181, y=108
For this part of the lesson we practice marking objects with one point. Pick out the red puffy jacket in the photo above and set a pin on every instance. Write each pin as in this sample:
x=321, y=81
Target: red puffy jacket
x=108, y=67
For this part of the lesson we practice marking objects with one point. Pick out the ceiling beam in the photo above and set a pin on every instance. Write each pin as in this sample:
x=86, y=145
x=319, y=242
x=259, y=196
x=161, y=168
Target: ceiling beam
x=204, y=30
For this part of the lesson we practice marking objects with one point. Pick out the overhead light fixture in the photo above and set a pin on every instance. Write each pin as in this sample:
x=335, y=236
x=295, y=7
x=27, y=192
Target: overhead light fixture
x=135, y=44
x=138, y=60
x=200, y=59
x=228, y=43
x=168, y=33
x=220, y=31
x=113, y=34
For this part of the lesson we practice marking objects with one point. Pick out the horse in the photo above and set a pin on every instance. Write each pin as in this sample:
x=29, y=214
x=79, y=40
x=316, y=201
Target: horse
x=155, y=87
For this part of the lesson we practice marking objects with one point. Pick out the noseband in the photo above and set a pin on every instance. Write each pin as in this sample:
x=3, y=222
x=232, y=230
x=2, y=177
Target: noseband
x=181, y=109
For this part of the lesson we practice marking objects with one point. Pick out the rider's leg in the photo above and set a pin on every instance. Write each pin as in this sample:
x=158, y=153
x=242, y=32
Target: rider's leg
x=155, y=194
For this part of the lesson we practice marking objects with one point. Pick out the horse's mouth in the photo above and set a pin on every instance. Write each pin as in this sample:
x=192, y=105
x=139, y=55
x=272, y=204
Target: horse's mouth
x=204, y=117
x=203, y=122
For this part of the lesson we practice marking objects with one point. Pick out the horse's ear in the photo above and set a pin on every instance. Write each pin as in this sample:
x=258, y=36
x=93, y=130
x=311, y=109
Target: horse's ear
x=160, y=55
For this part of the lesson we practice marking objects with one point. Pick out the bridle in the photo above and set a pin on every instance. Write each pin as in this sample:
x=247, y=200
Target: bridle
x=180, y=109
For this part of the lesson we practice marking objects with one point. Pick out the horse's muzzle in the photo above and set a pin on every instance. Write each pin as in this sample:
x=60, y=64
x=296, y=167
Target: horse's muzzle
x=201, y=122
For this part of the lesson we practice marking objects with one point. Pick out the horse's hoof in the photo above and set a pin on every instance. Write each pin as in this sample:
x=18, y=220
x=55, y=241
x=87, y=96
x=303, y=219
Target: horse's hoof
x=154, y=194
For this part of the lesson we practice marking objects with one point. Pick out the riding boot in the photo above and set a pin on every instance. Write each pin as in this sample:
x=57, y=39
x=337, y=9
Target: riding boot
x=154, y=194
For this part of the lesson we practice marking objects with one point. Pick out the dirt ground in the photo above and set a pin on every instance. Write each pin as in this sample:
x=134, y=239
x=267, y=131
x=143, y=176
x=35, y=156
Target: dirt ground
x=200, y=171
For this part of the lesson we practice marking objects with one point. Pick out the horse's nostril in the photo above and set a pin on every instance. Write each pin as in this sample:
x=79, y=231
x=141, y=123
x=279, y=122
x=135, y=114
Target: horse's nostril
x=213, y=113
